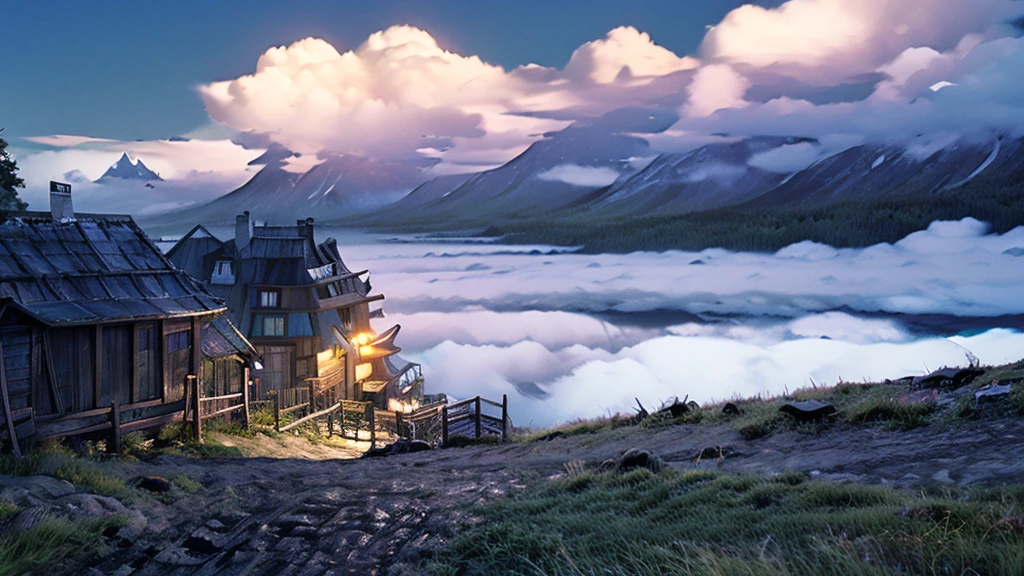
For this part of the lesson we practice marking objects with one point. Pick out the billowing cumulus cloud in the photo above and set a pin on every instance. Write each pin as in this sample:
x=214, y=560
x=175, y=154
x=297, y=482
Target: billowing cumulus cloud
x=625, y=55
x=715, y=87
x=831, y=41
x=401, y=96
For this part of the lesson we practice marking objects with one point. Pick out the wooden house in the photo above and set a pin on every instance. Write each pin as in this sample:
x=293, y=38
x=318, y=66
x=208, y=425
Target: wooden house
x=99, y=330
x=306, y=313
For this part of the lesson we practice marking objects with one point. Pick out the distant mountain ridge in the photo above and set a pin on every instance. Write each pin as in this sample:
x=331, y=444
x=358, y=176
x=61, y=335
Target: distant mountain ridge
x=126, y=169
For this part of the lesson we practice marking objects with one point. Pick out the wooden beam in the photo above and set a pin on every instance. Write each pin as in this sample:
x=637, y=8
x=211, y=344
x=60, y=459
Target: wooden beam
x=444, y=427
x=7, y=404
x=245, y=395
x=133, y=387
x=477, y=416
x=504, y=417
x=115, y=424
x=51, y=371
x=97, y=343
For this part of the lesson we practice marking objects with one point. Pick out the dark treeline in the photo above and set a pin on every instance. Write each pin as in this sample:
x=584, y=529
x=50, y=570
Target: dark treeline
x=849, y=224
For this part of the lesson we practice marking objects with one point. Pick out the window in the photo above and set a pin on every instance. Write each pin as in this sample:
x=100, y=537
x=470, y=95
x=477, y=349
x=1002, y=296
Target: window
x=178, y=340
x=268, y=325
x=269, y=298
x=223, y=273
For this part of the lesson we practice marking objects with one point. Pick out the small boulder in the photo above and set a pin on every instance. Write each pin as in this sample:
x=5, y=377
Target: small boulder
x=155, y=484
x=730, y=409
x=991, y=393
x=808, y=411
x=633, y=458
x=952, y=377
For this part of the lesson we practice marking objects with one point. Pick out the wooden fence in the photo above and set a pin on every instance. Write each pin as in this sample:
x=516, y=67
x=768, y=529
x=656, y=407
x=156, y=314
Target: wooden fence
x=467, y=419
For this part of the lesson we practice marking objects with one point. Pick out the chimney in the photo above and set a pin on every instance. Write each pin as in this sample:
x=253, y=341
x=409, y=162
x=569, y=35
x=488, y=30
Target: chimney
x=305, y=228
x=243, y=230
x=60, y=202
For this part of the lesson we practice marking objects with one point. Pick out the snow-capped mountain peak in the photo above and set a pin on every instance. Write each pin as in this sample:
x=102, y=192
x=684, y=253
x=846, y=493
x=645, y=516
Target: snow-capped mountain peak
x=126, y=169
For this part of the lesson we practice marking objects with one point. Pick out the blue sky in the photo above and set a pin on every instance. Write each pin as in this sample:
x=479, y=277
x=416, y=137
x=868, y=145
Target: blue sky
x=127, y=70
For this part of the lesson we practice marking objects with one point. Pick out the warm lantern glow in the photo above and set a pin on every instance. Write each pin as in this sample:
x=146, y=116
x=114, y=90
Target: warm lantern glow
x=364, y=371
x=364, y=338
x=396, y=405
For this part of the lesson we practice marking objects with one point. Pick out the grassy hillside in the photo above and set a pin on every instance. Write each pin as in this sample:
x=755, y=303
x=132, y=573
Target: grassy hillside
x=850, y=224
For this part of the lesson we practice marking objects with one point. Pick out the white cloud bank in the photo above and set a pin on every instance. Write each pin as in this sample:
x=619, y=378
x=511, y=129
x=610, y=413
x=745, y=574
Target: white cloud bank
x=519, y=320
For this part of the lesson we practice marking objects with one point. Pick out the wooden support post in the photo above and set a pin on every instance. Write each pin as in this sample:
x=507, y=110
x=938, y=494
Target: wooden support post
x=312, y=399
x=398, y=424
x=277, y=409
x=444, y=426
x=330, y=425
x=477, y=416
x=504, y=418
x=373, y=424
x=197, y=422
x=7, y=405
x=245, y=396
x=115, y=428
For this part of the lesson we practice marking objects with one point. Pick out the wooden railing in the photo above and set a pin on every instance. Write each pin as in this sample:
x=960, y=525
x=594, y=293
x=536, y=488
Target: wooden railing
x=467, y=419
x=211, y=406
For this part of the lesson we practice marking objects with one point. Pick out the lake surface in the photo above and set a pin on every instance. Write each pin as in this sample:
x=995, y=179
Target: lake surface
x=571, y=335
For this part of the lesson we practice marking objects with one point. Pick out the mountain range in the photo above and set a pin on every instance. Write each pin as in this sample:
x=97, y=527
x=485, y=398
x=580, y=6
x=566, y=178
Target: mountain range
x=604, y=169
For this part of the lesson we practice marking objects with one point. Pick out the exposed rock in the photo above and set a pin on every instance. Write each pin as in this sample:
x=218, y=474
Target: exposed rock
x=154, y=484
x=400, y=446
x=203, y=541
x=991, y=393
x=633, y=458
x=94, y=506
x=954, y=377
x=25, y=520
x=677, y=408
x=930, y=396
x=730, y=409
x=808, y=411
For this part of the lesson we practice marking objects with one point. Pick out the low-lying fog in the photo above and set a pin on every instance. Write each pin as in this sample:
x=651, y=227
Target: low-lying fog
x=571, y=336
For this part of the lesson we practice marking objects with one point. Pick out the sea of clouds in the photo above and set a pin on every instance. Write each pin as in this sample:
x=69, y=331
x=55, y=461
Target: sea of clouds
x=554, y=329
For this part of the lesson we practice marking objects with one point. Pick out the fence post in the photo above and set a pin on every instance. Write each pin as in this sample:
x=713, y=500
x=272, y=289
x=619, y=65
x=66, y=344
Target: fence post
x=398, y=424
x=277, y=409
x=373, y=431
x=196, y=406
x=115, y=427
x=330, y=425
x=312, y=400
x=504, y=418
x=245, y=396
x=478, y=417
x=444, y=426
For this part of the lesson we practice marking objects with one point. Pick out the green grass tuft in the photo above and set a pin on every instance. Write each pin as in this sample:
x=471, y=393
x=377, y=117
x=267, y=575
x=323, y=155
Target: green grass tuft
x=701, y=522
x=55, y=547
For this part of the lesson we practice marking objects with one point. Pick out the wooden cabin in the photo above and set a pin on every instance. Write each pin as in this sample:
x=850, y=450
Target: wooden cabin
x=306, y=313
x=96, y=324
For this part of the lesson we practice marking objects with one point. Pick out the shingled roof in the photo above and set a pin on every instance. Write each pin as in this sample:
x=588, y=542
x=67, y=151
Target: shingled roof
x=90, y=270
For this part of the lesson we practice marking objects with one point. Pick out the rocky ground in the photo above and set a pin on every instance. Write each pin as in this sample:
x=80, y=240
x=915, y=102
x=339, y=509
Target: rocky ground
x=327, y=513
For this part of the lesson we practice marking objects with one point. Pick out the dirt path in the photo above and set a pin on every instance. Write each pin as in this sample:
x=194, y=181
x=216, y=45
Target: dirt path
x=378, y=516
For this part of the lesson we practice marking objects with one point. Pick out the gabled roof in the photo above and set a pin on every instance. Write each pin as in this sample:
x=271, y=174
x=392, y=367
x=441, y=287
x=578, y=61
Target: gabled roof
x=95, y=269
x=220, y=339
